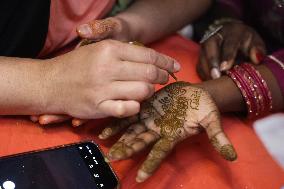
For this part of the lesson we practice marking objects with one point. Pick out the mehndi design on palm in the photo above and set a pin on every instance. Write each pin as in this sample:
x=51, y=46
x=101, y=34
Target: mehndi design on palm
x=176, y=112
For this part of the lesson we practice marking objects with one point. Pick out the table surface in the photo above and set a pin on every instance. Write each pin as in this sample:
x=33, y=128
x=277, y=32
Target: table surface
x=192, y=164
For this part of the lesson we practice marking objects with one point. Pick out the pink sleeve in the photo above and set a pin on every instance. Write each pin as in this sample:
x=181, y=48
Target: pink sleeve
x=65, y=16
x=275, y=63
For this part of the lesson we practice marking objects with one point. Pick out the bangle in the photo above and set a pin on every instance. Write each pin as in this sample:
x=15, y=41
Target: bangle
x=266, y=97
x=244, y=90
x=254, y=89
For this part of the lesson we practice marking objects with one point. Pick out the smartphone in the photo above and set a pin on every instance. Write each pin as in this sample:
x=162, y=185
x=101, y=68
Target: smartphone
x=75, y=166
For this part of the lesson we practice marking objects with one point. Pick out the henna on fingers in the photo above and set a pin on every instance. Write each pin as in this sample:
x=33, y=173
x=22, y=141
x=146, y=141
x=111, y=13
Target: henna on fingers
x=174, y=113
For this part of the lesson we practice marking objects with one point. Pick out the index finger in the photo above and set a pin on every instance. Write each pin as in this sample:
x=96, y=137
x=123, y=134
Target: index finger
x=134, y=53
x=116, y=126
x=212, y=52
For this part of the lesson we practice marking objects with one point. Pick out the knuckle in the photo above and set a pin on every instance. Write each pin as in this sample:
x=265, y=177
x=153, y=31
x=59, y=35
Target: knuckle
x=169, y=63
x=107, y=46
x=152, y=56
x=152, y=73
x=164, y=77
x=146, y=90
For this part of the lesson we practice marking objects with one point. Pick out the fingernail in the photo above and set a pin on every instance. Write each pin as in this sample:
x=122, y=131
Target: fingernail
x=141, y=176
x=84, y=30
x=259, y=56
x=101, y=136
x=115, y=155
x=77, y=122
x=43, y=121
x=215, y=73
x=177, y=66
x=224, y=66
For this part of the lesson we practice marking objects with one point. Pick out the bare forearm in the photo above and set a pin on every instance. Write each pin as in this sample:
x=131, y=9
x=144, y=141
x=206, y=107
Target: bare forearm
x=21, y=87
x=150, y=20
x=229, y=98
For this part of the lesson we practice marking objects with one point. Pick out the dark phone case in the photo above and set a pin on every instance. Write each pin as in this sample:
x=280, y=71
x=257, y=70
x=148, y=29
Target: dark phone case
x=63, y=146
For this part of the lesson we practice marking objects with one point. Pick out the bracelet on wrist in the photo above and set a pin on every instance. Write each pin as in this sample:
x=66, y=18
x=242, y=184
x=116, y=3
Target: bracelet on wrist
x=254, y=89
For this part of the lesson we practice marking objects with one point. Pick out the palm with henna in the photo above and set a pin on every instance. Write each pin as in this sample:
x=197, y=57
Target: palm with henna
x=176, y=112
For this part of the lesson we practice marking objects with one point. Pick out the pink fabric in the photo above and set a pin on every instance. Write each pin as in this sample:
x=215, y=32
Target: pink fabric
x=277, y=68
x=66, y=15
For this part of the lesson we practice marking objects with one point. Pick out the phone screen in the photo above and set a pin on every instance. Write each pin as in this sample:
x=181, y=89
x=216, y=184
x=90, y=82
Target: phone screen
x=76, y=166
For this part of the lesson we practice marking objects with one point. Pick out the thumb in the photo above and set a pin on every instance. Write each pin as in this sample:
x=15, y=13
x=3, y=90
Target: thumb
x=218, y=138
x=97, y=29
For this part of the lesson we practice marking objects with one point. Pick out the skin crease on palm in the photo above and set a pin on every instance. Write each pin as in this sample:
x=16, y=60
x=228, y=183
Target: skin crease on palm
x=174, y=113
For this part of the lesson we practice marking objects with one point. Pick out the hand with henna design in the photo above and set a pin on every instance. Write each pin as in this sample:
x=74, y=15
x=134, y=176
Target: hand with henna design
x=174, y=113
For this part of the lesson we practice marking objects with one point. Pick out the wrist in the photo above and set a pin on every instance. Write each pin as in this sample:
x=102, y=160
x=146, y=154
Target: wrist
x=50, y=97
x=22, y=86
x=225, y=94
x=277, y=99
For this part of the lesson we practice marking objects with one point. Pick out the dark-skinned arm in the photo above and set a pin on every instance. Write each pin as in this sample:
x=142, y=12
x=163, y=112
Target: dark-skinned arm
x=229, y=98
x=150, y=20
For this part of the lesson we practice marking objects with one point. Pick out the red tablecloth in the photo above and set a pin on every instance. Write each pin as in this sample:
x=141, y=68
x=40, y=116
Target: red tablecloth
x=193, y=164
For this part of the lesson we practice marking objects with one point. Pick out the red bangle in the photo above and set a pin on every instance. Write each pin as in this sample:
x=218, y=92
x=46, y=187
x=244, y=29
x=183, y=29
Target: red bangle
x=253, y=88
x=263, y=87
x=243, y=88
x=250, y=86
x=258, y=98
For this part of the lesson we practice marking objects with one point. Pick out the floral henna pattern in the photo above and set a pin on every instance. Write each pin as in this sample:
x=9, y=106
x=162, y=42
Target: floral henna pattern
x=194, y=100
x=175, y=106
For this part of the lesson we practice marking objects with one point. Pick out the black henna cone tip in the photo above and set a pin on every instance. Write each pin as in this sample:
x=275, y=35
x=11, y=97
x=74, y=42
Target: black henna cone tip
x=228, y=152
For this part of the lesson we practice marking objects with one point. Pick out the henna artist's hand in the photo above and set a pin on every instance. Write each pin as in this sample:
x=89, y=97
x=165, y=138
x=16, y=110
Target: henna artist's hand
x=111, y=82
x=93, y=31
x=219, y=52
x=174, y=113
